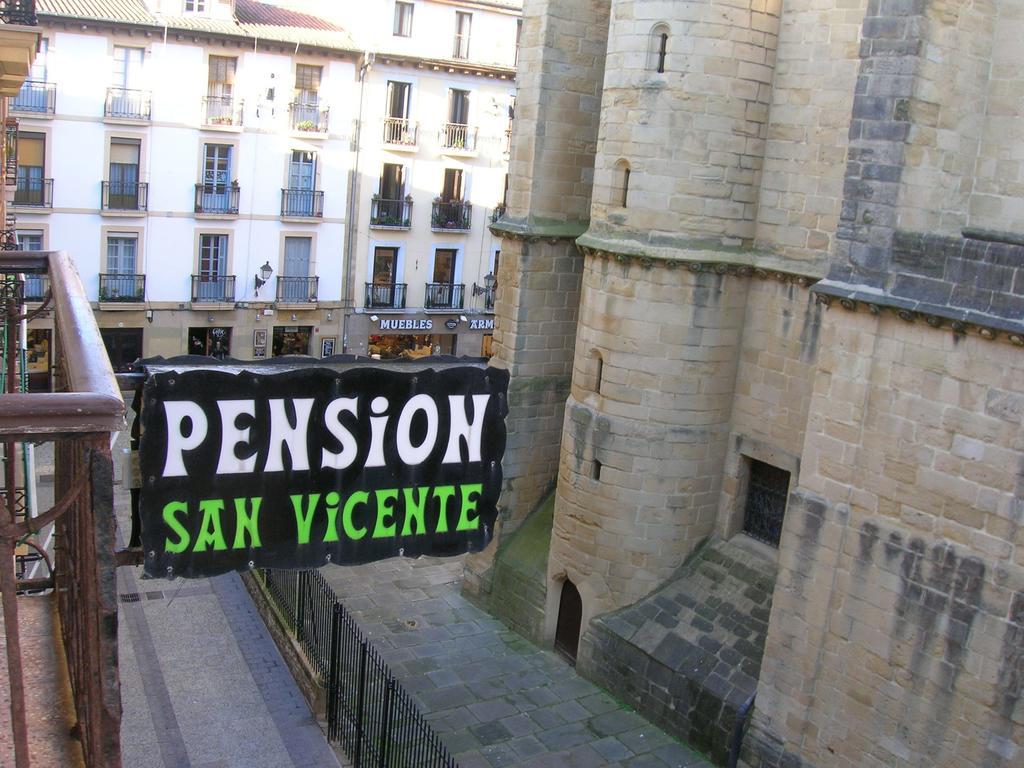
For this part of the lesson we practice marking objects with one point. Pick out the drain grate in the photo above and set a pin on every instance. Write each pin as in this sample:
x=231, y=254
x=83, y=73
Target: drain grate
x=130, y=597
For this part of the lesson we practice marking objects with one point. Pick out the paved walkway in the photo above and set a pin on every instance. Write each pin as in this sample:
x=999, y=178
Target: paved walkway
x=494, y=698
x=202, y=683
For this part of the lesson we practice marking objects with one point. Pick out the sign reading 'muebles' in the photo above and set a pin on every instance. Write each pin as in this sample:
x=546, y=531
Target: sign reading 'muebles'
x=247, y=467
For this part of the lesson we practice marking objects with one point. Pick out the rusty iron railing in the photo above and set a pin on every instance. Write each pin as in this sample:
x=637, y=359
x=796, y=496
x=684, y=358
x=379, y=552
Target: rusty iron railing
x=79, y=418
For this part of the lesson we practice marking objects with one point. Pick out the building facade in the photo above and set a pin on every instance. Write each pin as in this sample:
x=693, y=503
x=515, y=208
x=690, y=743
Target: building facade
x=761, y=295
x=217, y=168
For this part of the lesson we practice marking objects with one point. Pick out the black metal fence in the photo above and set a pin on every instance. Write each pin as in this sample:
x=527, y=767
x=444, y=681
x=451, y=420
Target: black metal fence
x=368, y=712
x=18, y=12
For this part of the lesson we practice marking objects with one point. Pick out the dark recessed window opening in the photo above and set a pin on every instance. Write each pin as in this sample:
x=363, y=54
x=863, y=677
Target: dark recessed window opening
x=599, y=374
x=662, y=50
x=596, y=469
x=625, y=186
x=767, y=490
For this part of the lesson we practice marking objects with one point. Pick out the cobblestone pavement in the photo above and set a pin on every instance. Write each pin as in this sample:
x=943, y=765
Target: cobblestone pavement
x=493, y=697
x=202, y=683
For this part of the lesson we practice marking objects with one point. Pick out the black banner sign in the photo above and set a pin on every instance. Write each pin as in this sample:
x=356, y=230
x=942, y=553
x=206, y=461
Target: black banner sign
x=243, y=468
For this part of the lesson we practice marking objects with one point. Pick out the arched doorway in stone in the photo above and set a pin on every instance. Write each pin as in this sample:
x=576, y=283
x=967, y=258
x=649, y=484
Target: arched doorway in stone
x=570, y=618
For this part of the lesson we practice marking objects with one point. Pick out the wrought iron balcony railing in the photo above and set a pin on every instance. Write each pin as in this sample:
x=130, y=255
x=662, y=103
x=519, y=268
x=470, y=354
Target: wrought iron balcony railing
x=458, y=136
x=302, y=203
x=297, y=290
x=400, y=132
x=128, y=104
x=18, y=12
x=444, y=296
x=219, y=199
x=34, y=193
x=221, y=110
x=452, y=216
x=11, y=149
x=498, y=212
x=124, y=195
x=311, y=118
x=385, y=295
x=116, y=287
x=36, y=97
x=213, y=288
x=392, y=214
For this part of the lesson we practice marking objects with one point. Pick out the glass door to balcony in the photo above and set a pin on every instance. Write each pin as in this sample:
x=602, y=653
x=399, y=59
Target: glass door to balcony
x=301, y=183
x=124, y=175
x=397, y=129
x=383, y=290
x=212, y=267
x=295, y=272
x=216, y=194
x=220, y=86
x=120, y=283
x=306, y=105
x=126, y=99
x=31, y=160
x=441, y=293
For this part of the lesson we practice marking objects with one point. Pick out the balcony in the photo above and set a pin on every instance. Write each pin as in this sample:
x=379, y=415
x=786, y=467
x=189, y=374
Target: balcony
x=458, y=137
x=127, y=288
x=19, y=12
x=385, y=295
x=222, y=112
x=297, y=290
x=124, y=196
x=35, y=98
x=127, y=104
x=390, y=214
x=452, y=216
x=498, y=212
x=302, y=203
x=309, y=118
x=213, y=289
x=400, y=133
x=444, y=296
x=33, y=193
x=217, y=199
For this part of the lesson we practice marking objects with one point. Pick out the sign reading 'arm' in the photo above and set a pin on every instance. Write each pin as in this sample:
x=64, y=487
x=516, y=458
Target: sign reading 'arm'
x=306, y=467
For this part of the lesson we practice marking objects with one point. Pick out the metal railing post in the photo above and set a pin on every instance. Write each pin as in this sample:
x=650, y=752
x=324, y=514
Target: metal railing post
x=300, y=605
x=385, y=726
x=332, y=674
x=360, y=705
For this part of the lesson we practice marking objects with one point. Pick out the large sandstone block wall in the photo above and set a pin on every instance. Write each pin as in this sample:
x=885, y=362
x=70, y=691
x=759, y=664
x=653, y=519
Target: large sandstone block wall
x=801, y=190
x=897, y=631
x=774, y=381
x=996, y=200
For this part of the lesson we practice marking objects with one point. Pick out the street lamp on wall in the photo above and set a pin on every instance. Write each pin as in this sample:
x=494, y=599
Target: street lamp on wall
x=261, y=279
x=489, y=283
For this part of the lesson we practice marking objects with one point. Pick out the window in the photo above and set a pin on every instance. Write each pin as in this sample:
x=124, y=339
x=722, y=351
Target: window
x=213, y=255
x=220, y=86
x=392, y=182
x=463, y=21
x=385, y=265
x=385, y=291
x=195, y=6
x=444, y=265
x=452, y=189
x=767, y=491
x=620, y=191
x=403, y=19
x=216, y=192
x=658, y=48
x=294, y=284
x=307, y=84
x=598, y=371
x=399, y=96
x=595, y=469
x=458, y=106
x=30, y=186
x=121, y=249
x=36, y=95
x=123, y=188
x=127, y=72
x=302, y=170
x=38, y=71
x=30, y=239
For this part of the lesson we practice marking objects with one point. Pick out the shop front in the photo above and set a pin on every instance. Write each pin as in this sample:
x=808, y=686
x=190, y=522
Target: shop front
x=291, y=340
x=393, y=337
x=215, y=342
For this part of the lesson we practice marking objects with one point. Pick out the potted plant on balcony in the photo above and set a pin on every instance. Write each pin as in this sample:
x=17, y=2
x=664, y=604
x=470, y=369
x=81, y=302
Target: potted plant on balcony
x=305, y=125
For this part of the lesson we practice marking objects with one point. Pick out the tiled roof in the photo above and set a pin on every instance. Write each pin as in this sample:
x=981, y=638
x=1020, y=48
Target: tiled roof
x=253, y=19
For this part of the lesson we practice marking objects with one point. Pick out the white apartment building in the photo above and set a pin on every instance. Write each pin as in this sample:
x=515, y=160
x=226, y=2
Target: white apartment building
x=254, y=179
